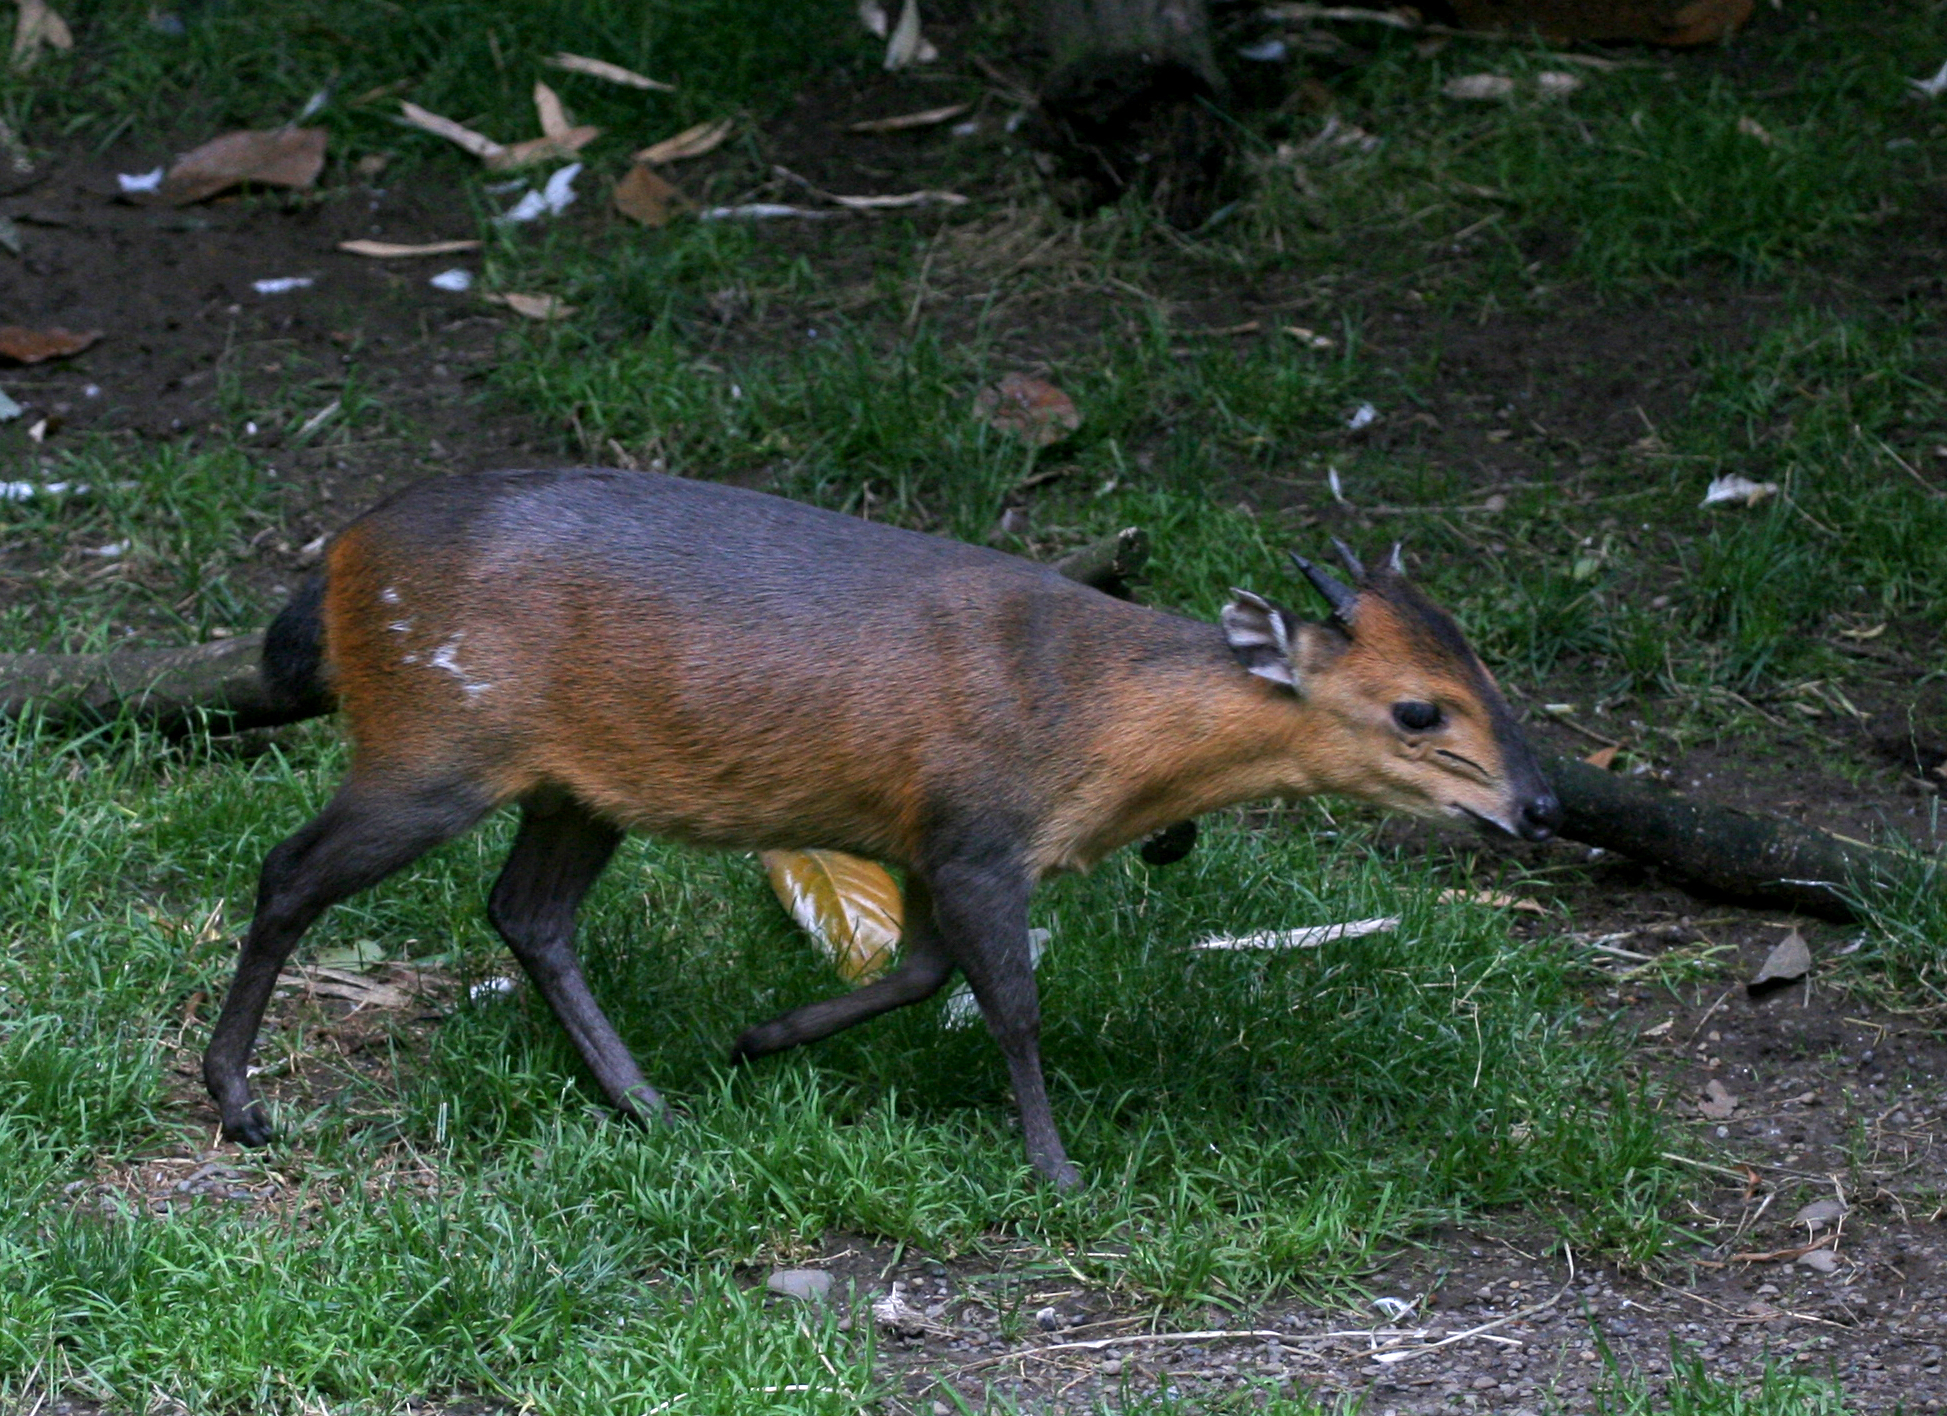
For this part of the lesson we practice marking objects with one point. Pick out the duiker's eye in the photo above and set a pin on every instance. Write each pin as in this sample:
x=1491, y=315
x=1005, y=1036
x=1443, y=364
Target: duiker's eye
x=1415, y=717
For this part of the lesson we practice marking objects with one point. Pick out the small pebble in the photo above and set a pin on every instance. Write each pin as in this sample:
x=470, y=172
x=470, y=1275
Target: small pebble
x=1112, y=1367
x=1047, y=1320
x=810, y=1285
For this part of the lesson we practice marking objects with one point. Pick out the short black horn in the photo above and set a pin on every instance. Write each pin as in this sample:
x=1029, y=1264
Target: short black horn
x=1351, y=559
x=1338, y=595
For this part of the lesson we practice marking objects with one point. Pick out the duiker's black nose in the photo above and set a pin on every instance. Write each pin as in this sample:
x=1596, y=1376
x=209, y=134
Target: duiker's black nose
x=1540, y=815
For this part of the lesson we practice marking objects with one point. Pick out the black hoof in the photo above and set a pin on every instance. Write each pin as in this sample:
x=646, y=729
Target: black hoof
x=252, y=1128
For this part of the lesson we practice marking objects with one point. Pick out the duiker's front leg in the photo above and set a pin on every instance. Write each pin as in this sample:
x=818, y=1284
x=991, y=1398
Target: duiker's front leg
x=981, y=909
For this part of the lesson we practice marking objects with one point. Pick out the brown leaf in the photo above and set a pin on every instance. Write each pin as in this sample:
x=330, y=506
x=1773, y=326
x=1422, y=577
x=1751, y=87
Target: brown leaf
x=925, y=118
x=1602, y=757
x=388, y=250
x=533, y=307
x=1717, y=1103
x=542, y=149
x=1786, y=964
x=31, y=346
x=602, y=69
x=691, y=142
x=643, y=196
x=276, y=157
x=38, y=26
x=1032, y=409
x=547, y=107
x=850, y=905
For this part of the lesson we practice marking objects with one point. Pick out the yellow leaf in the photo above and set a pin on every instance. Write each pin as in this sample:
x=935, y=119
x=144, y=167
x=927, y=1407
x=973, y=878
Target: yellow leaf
x=850, y=905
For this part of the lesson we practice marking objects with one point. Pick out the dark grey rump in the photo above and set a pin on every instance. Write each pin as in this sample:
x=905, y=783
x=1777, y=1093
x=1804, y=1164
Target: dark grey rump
x=293, y=663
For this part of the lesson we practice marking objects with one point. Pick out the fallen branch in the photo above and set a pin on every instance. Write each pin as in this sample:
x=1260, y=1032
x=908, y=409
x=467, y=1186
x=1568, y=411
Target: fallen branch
x=1717, y=849
x=171, y=690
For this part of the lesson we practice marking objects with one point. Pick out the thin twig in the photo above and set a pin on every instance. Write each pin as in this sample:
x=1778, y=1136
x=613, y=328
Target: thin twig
x=1485, y=1330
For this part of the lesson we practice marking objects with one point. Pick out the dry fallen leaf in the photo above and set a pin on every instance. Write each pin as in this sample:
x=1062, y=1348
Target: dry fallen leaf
x=501, y=157
x=897, y=1314
x=1602, y=758
x=925, y=118
x=1818, y=1214
x=850, y=905
x=902, y=199
x=358, y=989
x=276, y=157
x=554, y=118
x=38, y=27
x=1492, y=897
x=691, y=142
x=643, y=196
x=31, y=346
x=545, y=148
x=1556, y=83
x=1032, y=409
x=533, y=307
x=602, y=69
x=1478, y=86
x=907, y=46
x=1786, y=964
x=387, y=250
x=479, y=144
x=1735, y=488
x=1717, y=1103
x=1307, y=938
x=1752, y=128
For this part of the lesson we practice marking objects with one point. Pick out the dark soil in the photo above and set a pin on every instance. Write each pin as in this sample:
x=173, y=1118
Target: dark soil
x=1833, y=1100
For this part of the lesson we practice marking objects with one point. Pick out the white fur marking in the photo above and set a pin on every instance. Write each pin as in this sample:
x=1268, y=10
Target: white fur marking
x=447, y=657
x=389, y=595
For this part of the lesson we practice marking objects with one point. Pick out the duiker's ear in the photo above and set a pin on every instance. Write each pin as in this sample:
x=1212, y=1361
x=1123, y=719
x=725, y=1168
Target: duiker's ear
x=1260, y=635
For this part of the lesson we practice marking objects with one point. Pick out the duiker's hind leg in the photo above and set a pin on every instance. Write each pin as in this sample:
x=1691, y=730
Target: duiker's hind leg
x=368, y=830
x=561, y=848
x=923, y=966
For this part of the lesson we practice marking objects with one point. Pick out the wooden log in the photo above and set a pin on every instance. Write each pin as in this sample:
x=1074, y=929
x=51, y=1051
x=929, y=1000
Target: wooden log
x=216, y=685
x=1718, y=850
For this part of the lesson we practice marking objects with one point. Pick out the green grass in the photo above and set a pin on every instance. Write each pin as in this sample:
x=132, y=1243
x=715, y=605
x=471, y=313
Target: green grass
x=1249, y=1122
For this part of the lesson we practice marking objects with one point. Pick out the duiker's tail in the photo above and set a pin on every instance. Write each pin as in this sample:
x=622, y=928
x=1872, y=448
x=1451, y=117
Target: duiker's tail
x=293, y=666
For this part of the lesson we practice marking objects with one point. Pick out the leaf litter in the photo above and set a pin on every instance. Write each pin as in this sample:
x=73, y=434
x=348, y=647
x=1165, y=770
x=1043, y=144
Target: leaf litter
x=559, y=137
x=851, y=907
x=645, y=196
x=691, y=142
x=602, y=69
x=392, y=250
x=272, y=157
x=38, y=27
x=32, y=346
x=1029, y=408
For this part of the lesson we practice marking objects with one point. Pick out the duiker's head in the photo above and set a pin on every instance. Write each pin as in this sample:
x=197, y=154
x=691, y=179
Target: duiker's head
x=1406, y=715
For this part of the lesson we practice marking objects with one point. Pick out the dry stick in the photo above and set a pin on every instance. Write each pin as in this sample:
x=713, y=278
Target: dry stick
x=1288, y=1339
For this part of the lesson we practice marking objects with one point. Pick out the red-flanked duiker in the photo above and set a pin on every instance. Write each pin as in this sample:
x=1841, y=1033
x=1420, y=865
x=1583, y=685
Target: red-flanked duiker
x=618, y=651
